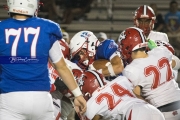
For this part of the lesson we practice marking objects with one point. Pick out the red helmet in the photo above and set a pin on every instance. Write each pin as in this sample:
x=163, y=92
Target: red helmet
x=129, y=40
x=166, y=44
x=145, y=12
x=65, y=49
x=78, y=75
x=90, y=82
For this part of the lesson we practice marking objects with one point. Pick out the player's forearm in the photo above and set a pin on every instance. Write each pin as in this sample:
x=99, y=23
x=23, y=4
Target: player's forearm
x=117, y=66
x=114, y=68
x=117, y=69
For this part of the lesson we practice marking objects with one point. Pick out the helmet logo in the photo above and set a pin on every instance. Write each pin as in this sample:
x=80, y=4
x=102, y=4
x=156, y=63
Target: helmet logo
x=122, y=36
x=85, y=35
x=80, y=81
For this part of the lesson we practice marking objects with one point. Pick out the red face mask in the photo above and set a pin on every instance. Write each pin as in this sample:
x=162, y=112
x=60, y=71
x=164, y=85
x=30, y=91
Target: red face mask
x=145, y=25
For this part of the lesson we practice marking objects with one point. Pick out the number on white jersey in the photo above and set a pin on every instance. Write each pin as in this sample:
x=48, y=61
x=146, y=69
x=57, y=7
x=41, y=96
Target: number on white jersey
x=118, y=90
x=155, y=70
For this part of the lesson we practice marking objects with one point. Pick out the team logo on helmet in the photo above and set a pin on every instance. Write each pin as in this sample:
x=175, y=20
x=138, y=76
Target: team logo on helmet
x=80, y=80
x=85, y=35
x=122, y=36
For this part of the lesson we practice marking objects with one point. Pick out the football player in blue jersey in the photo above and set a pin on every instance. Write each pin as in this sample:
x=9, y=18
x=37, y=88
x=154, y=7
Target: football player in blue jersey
x=26, y=43
x=86, y=49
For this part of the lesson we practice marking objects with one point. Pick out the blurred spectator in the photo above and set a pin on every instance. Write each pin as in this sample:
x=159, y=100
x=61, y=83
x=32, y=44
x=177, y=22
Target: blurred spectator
x=66, y=37
x=172, y=20
x=101, y=36
x=108, y=4
x=75, y=8
x=159, y=23
x=52, y=9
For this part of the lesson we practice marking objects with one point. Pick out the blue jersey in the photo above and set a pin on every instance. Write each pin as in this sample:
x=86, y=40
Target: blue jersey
x=105, y=49
x=173, y=20
x=24, y=52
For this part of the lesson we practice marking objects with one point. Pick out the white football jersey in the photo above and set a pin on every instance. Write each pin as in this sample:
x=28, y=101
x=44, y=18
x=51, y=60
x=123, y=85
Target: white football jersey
x=154, y=35
x=53, y=74
x=112, y=100
x=154, y=74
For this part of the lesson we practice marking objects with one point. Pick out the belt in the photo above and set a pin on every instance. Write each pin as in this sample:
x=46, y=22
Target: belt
x=170, y=107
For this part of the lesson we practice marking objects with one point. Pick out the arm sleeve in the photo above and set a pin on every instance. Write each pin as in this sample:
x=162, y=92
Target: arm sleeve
x=167, y=53
x=55, y=52
x=165, y=38
x=106, y=49
x=54, y=31
x=163, y=51
x=131, y=75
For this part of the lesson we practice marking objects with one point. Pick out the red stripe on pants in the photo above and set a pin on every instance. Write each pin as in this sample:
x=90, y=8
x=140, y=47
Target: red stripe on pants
x=130, y=115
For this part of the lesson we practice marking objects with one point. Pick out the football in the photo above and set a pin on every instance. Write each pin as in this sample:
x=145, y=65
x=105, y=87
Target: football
x=100, y=64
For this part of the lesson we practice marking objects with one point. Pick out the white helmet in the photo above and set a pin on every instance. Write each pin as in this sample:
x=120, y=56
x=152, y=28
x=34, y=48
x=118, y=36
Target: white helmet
x=84, y=40
x=25, y=7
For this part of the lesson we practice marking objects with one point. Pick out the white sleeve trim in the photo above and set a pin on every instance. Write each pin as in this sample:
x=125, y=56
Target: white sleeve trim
x=55, y=52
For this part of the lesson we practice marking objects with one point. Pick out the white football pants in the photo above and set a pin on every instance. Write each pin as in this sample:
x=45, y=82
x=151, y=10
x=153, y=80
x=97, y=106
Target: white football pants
x=29, y=105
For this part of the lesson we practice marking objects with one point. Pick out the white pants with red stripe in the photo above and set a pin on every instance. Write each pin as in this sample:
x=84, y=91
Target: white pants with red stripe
x=144, y=111
x=29, y=105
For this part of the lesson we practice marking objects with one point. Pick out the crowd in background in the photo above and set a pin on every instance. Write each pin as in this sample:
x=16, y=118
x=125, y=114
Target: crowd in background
x=65, y=11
